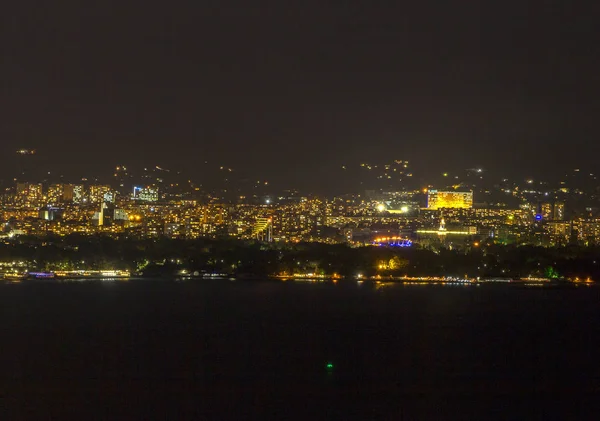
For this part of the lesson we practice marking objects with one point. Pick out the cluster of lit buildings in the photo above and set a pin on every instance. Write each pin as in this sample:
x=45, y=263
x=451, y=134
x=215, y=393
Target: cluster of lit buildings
x=427, y=216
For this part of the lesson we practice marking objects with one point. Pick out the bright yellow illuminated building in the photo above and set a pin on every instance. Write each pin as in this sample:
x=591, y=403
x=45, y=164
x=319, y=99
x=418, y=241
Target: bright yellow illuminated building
x=449, y=199
x=262, y=229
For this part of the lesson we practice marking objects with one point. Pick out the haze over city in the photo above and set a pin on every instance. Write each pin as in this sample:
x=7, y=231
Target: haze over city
x=293, y=91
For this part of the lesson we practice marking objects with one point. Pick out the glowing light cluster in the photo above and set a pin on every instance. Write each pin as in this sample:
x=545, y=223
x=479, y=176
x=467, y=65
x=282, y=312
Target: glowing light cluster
x=449, y=200
x=393, y=242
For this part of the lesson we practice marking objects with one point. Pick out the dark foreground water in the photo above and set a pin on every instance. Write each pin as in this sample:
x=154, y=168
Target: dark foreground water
x=223, y=350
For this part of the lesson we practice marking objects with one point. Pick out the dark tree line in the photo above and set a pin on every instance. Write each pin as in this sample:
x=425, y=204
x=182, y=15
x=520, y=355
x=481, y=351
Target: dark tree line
x=164, y=256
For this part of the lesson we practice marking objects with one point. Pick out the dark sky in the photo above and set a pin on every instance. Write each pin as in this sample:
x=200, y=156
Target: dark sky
x=291, y=90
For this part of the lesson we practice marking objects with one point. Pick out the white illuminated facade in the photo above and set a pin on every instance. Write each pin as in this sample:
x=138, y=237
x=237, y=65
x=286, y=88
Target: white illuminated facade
x=145, y=194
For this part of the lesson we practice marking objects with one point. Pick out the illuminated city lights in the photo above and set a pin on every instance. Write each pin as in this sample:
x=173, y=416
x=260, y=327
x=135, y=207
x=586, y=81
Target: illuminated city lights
x=394, y=219
x=449, y=199
x=393, y=242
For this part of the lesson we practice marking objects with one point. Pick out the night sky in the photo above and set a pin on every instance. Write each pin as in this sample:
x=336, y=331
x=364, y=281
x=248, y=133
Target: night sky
x=292, y=90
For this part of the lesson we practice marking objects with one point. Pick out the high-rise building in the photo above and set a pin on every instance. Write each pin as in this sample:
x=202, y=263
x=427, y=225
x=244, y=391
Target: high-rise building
x=558, y=213
x=76, y=193
x=29, y=194
x=145, y=194
x=107, y=215
x=174, y=230
x=121, y=215
x=98, y=192
x=58, y=193
x=55, y=193
x=449, y=199
x=545, y=211
x=50, y=213
x=589, y=231
x=109, y=197
x=552, y=211
x=68, y=193
x=559, y=228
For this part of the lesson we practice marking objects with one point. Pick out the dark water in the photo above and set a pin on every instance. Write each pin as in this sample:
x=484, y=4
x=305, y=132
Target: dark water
x=223, y=350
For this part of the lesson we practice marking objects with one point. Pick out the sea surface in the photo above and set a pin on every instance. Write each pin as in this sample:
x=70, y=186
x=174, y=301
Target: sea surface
x=244, y=350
